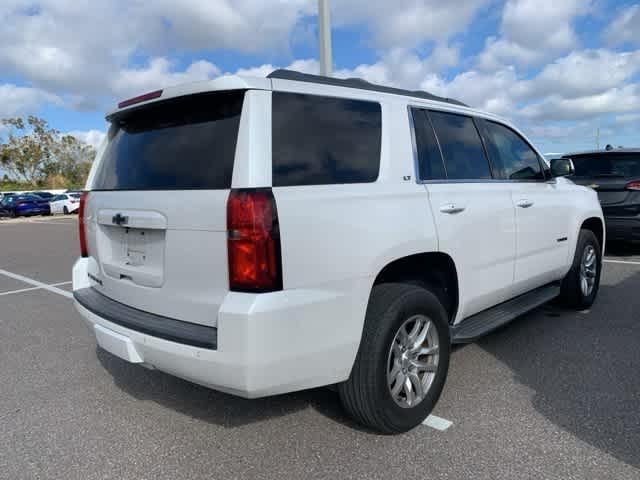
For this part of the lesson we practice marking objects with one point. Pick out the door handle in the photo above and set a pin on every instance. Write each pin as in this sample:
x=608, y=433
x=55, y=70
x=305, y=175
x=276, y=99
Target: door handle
x=524, y=203
x=451, y=208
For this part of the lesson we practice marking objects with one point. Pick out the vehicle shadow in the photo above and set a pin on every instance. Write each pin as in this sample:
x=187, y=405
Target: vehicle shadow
x=216, y=407
x=584, y=367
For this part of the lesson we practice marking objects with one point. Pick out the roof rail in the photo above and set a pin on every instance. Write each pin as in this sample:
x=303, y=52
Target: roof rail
x=358, y=83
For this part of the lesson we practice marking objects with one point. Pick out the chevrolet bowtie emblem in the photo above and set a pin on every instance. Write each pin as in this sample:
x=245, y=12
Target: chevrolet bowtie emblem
x=594, y=185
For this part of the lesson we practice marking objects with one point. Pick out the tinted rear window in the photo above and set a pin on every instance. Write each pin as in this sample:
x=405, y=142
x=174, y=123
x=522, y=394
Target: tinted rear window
x=430, y=166
x=322, y=140
x=604, y=165
x=461, y=146
x=179, y=144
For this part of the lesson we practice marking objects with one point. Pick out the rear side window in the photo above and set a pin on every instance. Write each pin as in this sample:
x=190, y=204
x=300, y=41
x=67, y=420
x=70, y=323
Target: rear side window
x=323, y=140
x=430, y=165
x=461, y=146
x=179, y=144
x=512, y=157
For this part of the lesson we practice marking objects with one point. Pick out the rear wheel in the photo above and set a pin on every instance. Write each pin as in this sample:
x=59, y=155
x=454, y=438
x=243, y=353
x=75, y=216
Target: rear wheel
x=580, y=286
x=65, y=210
x=402, y=362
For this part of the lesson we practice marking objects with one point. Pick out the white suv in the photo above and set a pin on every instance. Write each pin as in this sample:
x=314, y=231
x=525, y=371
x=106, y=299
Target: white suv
x=261, y=236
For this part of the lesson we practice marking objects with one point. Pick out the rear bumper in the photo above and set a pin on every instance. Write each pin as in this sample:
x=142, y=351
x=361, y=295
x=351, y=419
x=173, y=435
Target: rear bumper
x=266, y=343
x=623, y=228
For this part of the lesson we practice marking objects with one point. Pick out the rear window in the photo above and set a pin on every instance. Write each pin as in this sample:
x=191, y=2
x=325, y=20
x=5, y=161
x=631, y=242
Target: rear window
x=607, y=165
x=323, y=140
x=461, y=146
x=179, y=144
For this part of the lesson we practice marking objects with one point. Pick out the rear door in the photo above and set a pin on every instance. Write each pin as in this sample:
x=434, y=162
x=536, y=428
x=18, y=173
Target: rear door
x=474, y=214
x=156, y=213
x=542, y=208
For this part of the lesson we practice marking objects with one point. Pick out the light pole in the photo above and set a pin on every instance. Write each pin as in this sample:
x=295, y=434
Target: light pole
x=324, y=33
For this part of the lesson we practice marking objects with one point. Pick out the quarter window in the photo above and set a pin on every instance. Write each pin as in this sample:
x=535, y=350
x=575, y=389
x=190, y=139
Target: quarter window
x=430, y=165
x=323, y=140
x=461, y=146
x=512, y=157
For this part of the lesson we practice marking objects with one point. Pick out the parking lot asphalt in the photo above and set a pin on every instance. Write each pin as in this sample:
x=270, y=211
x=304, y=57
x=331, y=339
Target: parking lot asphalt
x=555, y=394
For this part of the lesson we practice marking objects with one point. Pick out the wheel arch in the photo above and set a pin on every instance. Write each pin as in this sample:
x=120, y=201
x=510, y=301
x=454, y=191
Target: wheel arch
x=596, y=225
x=430, y=269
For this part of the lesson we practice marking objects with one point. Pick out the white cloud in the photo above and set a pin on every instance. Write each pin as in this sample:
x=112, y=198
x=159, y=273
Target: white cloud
x=77, y=47
x=615, y=100
x=532, y=31
x=158, y=74
x=584, y=73
x=408, y=23
x=304, y=66
x=17, y=101
x=625, y=28
x=90, y=137
x=493, y=92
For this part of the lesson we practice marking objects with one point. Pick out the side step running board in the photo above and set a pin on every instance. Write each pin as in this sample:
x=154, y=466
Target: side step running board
x=481, y=323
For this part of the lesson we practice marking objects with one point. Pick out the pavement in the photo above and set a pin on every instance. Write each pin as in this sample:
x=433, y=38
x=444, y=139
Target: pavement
x=554, y=395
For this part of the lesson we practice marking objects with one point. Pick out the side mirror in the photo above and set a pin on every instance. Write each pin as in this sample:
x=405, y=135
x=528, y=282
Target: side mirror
x=562, y=167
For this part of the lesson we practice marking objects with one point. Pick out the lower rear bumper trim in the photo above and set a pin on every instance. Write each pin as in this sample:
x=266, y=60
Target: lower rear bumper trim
x=145, y=322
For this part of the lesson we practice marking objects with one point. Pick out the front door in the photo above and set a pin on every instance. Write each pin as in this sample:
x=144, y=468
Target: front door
x=542, y=224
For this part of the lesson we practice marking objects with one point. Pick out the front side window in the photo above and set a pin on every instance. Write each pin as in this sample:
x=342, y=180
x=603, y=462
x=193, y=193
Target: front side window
x=512, y=157
x=461, y=146
x=324, y=140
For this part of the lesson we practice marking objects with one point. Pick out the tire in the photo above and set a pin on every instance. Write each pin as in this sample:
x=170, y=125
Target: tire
x=65, y=210
x=572, y=293
x=13, y=214
x=367, y=395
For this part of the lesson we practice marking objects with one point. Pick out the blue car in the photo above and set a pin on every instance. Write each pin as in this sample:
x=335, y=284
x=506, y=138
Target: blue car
x=24, y=205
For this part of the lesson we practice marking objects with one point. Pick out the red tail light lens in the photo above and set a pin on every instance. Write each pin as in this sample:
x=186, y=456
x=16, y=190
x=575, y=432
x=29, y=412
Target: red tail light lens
x=633, y=185
x=253, y=241
x=82, y=233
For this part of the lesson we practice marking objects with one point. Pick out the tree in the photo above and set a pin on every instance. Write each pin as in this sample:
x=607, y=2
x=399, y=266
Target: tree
x=35, y=154
x=29, y=149
x=72, y=160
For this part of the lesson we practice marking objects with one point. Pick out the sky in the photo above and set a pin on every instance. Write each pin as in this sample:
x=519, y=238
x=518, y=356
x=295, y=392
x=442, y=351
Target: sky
x=561, y=70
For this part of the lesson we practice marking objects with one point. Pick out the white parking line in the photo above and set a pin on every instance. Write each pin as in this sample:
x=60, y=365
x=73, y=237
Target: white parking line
x=31, y=289
x=438, y=423
x=625, y=262
x=36, y=283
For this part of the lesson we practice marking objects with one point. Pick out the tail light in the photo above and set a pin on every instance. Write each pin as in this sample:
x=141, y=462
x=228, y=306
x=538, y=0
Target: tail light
x=82, y=231
x=635, y=185
x=253, y=241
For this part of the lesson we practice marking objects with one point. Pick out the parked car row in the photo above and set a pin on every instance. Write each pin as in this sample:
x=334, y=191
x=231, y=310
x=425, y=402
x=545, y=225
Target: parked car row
x=38, y=203
x=65, y=203
x=24, y=205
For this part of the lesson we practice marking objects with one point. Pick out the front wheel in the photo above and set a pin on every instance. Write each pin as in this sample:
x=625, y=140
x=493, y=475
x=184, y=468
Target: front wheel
x=65, y=210
x=402, y=362
x=580, y=286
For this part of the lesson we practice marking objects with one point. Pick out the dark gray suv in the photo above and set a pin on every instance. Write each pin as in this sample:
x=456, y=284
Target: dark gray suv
x=615, y=175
